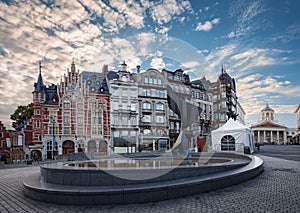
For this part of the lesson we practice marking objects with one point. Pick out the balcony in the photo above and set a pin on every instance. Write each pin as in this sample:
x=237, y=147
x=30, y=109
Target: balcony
x=147, y=111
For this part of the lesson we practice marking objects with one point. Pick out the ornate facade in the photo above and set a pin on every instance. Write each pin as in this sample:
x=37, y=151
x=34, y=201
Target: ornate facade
x=71, y=117
x=124, y=110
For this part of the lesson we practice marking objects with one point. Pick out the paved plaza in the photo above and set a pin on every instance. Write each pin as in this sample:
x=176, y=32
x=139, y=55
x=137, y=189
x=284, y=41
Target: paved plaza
x=277, y=189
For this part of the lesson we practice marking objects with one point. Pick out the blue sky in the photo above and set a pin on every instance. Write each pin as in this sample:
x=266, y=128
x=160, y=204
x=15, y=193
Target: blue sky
x=258, y=41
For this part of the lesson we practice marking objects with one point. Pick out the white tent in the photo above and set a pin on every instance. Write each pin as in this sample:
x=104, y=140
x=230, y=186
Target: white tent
x=232, y=136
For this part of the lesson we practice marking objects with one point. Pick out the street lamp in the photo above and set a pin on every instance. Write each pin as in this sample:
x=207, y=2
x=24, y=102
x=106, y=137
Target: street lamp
x=53, y=136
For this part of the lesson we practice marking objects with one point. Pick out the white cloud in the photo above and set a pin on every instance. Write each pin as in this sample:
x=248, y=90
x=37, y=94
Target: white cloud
x=292, y=33
x=190, y=64
x=158, y=63
x=208, y=25
x=163, y=11
x=255, y=90
x=249, y=16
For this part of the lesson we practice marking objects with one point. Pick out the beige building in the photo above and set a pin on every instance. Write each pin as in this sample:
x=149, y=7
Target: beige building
x=267, y=130
x=153, y=110
x=124, y=110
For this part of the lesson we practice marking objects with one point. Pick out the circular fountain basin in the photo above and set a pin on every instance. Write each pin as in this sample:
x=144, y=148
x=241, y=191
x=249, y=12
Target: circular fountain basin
x=125, y=171
x=138, y=180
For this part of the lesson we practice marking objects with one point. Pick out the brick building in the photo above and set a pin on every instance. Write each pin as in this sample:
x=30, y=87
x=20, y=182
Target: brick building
x=71, y=117
x=5, y=142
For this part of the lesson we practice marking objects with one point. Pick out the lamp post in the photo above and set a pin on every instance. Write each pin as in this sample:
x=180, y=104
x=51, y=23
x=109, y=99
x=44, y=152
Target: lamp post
x=53, y=137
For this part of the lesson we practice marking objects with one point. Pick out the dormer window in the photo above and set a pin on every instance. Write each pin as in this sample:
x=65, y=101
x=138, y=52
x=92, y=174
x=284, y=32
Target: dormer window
x=124, y=78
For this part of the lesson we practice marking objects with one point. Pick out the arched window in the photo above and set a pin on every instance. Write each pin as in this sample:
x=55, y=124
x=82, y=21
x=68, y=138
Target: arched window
x=147, y=132
x=150, y=80
x=124, y=78
x=146, y=105
x=228, y=143
x=66, y=103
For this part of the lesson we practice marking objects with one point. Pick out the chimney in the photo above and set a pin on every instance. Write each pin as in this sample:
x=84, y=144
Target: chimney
x=105, y=68
x=138, y=67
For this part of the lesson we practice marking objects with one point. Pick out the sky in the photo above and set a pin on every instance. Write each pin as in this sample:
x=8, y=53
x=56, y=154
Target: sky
x=258, y=42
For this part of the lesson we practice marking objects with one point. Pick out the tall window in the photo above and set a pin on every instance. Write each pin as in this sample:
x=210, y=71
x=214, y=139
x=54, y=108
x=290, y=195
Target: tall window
x=146, y=92
x=124, y=93
x=150, y=80
x=193, y=94
x=133, y=120
x=159, y=106
x=198, y=95
x=160, y=119
x=80, y=105
x=181, y=89
x=147, y=132
x=146, y=80
x=160, y=94
x=80, y=118
x=146, y=105
x=133, y=107
x=171, y=125
x=66, y=118
x=132, y=93
x=38, y=124
x=66, y=103
x=115, y=105
x=115, y=91
x=124, y=120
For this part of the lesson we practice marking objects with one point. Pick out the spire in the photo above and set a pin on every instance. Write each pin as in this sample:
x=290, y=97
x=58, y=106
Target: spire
x=223, y=68
x=73, y=66
x=39, y=85
x=40, y=66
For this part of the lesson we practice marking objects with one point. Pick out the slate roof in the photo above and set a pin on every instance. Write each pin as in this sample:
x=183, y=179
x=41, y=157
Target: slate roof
x=51, y=95
x=94, y=82
x=39, y=86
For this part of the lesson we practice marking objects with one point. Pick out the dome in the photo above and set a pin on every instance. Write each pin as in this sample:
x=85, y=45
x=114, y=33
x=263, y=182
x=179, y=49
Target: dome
x=268, y=108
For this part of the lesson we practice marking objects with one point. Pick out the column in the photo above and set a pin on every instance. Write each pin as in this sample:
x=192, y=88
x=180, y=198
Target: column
x=97, y=147
x=153, y=145
x=271, y=136
x=136, y=141
x=277, y=137
x=284, y=137
x=112, y=146
x=258, y=136
x=264, y=136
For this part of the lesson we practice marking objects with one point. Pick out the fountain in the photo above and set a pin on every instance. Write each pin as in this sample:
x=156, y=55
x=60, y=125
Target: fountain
x=142, y=178
x=119, y=180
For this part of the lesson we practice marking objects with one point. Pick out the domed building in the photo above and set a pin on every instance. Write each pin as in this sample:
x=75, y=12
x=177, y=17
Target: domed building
x=268, y=130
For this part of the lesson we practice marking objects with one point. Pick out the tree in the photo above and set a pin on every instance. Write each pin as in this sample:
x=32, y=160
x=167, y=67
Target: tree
x=21, y=114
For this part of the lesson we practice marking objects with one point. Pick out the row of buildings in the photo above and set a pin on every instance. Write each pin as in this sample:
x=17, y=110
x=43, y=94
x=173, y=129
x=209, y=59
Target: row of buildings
x=122, y=111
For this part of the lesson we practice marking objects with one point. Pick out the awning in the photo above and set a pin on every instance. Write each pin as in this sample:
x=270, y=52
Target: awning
x=124, y=140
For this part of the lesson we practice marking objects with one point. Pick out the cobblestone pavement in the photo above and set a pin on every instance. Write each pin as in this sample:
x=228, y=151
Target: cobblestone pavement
x=277, y=189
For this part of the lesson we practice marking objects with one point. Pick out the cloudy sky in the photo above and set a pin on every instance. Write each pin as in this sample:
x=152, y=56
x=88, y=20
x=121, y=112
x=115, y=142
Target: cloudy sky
x=258, y=41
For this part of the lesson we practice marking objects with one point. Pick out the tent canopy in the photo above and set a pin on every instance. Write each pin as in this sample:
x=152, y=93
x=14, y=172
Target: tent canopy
x=232, y=136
